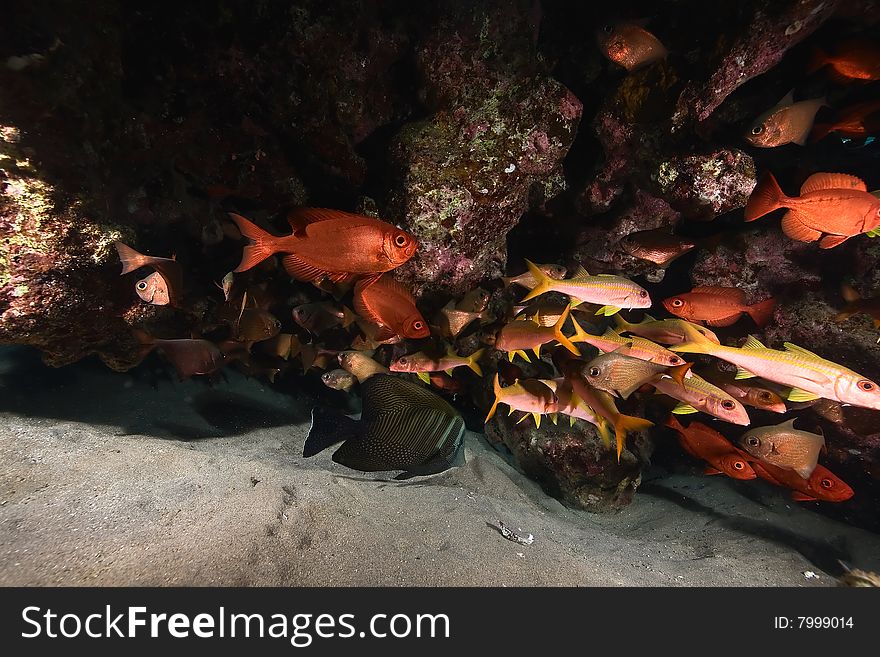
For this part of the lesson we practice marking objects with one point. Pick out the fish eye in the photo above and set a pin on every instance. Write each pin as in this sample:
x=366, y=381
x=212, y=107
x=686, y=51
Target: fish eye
x=764, y=395
x=753, y=442
x=866, y=385
x=142, y=285
x=402, y=360
x=675, y=360
x=401, y=240
x=677, y=303
x=643, y=294
x=826, y=483
x=418, y=326
x=595, y=371
x=728, y=405
x=758, y=129
x=739, y=465
x=608, y=29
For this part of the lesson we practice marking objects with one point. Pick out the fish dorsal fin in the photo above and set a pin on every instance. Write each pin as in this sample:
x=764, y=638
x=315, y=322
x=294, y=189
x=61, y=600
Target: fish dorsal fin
x=786, y=101
x=611, y=334
x=580, y=272
x=753, y=343
x=819, y=181
x=788, y=424
x=727, y=292
x=299, y=218
x=799, y=350
x=550, y=383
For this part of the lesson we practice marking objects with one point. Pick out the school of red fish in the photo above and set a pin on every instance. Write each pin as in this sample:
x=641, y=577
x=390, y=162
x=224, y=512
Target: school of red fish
x=350, y=259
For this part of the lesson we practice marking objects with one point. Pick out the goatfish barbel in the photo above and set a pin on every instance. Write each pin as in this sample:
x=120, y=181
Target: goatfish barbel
x=809, y=375
x=611, y=292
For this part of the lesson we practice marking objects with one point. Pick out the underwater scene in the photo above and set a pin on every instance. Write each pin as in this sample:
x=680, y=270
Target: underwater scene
x=492, y=293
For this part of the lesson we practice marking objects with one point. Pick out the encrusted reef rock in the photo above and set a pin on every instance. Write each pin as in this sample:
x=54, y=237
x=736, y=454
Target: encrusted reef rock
x=493, y=145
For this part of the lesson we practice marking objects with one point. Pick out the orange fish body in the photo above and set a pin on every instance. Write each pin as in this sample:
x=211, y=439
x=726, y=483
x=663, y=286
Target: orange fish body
x=389, y=304
x=823, y=485
x=189, y=357
x=329, y=244
x=859, y=120
x=718, y=306
x=831, y=208
x=853, y=60
x=519, y=335
x=630, y=45
x=704, y=443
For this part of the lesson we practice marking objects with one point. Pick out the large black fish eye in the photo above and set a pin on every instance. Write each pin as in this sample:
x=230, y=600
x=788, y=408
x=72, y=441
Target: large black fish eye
x=758, y=129
x=753, y=442
x=739, y=465
x=142, y=285
x=643, y=294
x=728, y=405
x=608, y=29
x=675, y=360
x=595, y=371
x=400, y=240
x=677, y=303
x=402, y=360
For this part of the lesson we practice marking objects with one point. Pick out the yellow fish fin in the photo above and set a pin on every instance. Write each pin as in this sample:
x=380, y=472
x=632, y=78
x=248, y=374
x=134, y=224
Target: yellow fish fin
x=537, y=351
x=571, y=420
x=473, y=364
x=511, y=355
x=793, y=348
x=543, y=283
x=580, y=272
x=753, y=343
x=553, y=418
x=496, y=389
x=524, y=355
x=424, y=377
x=742, y=373
x=798, y=395
x=525, y=415
x=684, y=409
x=449, y=371
x=574, y=303
x=537, y=417
x=604, y=434
x=608, y=311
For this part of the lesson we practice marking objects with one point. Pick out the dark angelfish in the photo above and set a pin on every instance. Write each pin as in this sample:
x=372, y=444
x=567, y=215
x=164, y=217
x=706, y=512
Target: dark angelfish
x=404, y=426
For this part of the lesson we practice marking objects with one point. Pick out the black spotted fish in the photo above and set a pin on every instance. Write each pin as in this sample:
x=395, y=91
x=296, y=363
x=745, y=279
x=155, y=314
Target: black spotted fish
x=403, y=426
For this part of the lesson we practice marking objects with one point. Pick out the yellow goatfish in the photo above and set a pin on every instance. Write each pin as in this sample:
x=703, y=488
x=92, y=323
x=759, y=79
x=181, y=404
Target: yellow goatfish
x=611, y=292
x=534, y=397
x=519, y=335
x=664, y=331
x=635, y=346
x=809, y=375
x=422, y=364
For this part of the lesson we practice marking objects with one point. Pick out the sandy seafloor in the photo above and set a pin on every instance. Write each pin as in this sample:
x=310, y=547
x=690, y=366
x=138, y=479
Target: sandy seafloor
x=107, y=480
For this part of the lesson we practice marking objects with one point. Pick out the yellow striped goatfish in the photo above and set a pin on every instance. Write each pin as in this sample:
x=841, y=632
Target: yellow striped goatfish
x=534, y=397
x=809, y=375
x=632, y=346
x=611, y=292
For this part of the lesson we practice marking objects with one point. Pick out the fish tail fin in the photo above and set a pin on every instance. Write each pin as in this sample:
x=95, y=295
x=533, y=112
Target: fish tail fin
x=542, y=282
x=761, y=312
x=622, y=325
x=473, y=364
x=496, y=390
x=818, y=59
x=263, y=244
x=130, y=258
x=766, y=197
x=348, y=317
x=696, y=342
x=580, y=335
x=328, y=428
x=625, y=424
x=672, y=422
x=560, y=337
x=679, y=372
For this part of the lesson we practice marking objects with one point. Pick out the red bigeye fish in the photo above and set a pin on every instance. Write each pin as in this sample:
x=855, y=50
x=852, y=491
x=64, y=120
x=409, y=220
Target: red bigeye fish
x=189, y=357
x=786, y=123
x=718, y=306
x=706, y=444
x=851, y=60
x=858, y=120
x=389, y=304
x=823, y=485
x=831, y=208
x=329, y=244
x=169, y=268
x=630, y=45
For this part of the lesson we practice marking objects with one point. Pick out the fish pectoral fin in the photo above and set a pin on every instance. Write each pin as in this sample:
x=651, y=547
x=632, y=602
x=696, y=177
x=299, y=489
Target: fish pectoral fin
x=712, y=471
x=523, y=355
x=799, y=395
x=424, y=377
x=608, y=311
x=727, y=320
x=684, y=409
x=525, y=415
x=830, y=241
x=798, y=496
x=537, y=417
x=794, y=225
x=742, y=373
